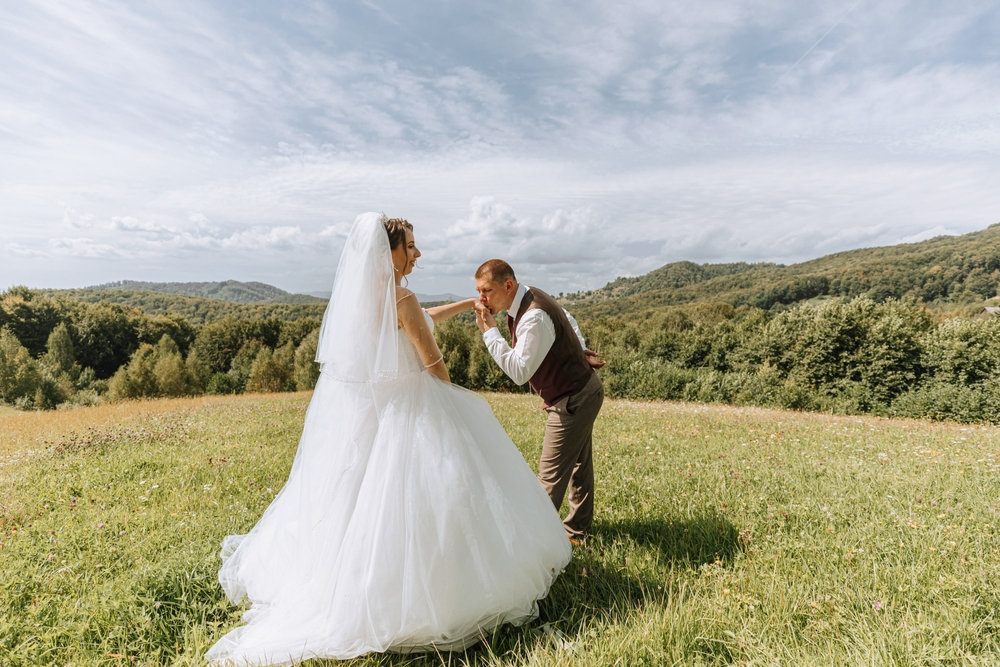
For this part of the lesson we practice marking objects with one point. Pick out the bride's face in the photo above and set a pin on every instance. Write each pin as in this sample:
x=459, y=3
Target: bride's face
x=404, y=256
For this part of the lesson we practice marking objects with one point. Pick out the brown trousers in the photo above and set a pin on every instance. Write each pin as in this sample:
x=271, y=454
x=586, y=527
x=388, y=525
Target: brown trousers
x=567, y=455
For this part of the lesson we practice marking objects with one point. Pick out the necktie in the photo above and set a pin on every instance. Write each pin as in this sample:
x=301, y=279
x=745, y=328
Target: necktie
x=513, y=334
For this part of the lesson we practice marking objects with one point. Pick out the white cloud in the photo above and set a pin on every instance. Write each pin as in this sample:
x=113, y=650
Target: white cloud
x=611, y=138
x=18, y=250
x=493, y=229
x=263, y=238
x=928, y=234
x=338, y=231
x=81, y=247
x=551, y=248
x=72, y=219
x=127, y=223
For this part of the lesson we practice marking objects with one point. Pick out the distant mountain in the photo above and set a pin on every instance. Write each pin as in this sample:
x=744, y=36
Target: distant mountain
x=202, y=303
x=227, y=290
x=196, y=309
x=423, y=298
x=447, y=296
x=945, y=272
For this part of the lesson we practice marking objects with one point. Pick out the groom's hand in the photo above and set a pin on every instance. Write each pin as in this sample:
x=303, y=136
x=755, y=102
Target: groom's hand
x=484, y=319
x=593, y=360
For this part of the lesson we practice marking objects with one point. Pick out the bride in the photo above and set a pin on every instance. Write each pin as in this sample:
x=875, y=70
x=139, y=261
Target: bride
x=409, y=520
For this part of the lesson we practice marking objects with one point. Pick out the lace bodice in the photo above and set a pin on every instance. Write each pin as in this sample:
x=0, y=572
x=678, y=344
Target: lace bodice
x=409, y=359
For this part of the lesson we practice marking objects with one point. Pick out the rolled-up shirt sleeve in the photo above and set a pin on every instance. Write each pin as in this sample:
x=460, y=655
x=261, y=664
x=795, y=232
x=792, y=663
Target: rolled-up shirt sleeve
x=535, y=336
x=576, y=328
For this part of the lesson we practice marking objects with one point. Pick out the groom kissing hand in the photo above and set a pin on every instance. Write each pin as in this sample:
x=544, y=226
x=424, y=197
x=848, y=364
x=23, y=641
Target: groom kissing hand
x=549, y=353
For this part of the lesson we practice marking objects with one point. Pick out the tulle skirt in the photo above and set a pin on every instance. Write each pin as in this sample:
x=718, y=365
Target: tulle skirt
x=409, y=521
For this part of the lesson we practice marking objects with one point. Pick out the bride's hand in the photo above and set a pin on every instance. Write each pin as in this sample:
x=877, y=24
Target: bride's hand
x=484, y=318
x=448, y=310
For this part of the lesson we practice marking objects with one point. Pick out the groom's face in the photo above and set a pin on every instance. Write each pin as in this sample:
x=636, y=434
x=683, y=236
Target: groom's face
x=496, y=296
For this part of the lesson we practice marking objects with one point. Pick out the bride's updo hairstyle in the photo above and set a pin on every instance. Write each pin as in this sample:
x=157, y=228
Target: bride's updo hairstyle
x=395, y=229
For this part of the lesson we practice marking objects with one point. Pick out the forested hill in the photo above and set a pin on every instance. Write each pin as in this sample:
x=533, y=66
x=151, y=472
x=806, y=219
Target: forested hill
x=227, y=290
x=200, y=303
x=195, y=309
x=943, y=272
x=946, y=270
x=200, y=310
x=675, y=275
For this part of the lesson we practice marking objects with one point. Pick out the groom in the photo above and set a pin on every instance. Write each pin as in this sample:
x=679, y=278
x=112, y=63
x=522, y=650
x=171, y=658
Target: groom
x=548, y=352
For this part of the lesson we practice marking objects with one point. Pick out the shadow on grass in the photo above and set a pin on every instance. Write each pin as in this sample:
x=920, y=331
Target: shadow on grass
x=609, y=591
x=610, y=578
x=693, y=541
x=603, y=582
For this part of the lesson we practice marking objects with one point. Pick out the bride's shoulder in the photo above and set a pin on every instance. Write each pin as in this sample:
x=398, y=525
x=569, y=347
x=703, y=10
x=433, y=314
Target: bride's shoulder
x=403, y=294
x=407, y=307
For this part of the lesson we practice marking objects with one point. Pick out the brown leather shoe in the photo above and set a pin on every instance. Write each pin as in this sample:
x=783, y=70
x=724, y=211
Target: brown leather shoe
x=578, y=541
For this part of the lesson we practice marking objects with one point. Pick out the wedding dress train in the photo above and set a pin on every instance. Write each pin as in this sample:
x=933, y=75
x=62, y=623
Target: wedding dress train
x=409, y=520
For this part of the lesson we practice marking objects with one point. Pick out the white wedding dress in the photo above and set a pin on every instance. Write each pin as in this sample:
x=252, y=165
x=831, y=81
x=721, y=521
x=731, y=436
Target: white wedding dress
x=409, y=521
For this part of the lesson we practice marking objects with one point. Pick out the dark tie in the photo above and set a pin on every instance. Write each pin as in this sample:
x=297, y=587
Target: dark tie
x=513, y=334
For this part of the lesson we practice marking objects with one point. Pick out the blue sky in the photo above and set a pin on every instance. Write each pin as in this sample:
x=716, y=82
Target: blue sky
x=581, y=141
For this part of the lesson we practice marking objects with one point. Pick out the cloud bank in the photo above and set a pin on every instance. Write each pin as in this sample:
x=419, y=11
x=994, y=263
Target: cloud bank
x=210, y=140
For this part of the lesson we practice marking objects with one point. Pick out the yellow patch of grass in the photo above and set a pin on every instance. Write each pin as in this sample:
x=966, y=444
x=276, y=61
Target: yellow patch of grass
x=24, y=431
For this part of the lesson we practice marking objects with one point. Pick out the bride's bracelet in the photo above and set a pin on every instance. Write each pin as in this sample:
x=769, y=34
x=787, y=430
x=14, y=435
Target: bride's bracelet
x=435, y=362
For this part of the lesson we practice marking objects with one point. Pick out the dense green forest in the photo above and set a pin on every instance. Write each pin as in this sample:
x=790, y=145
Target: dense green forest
x=882, y=330
x=849, y=356
x=59, y=351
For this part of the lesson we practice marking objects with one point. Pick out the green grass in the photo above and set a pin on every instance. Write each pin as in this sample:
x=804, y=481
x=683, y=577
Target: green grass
x=723, y=536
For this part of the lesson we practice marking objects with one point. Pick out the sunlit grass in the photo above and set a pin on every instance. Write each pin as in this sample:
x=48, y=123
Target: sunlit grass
x=23, y=431
x=723, y=536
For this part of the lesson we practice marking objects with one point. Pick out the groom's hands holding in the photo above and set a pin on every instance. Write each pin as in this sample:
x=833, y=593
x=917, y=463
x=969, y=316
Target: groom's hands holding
x=485, y=321
x=484, y=318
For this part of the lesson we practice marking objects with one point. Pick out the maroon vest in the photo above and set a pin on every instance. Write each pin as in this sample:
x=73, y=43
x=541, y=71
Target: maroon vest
x=565, y=369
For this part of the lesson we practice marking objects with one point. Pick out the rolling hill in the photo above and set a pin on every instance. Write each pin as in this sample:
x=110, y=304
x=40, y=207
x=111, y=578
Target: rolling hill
x=227, y=290
x=943, y=272
x=195, y=309
x=676, y=275
x=251, y=300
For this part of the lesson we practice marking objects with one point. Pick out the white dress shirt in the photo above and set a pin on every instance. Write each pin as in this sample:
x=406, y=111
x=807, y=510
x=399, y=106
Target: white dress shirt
x=535, y=335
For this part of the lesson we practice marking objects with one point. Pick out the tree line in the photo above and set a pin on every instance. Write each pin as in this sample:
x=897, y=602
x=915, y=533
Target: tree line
x=56, y=351
x=846, y=355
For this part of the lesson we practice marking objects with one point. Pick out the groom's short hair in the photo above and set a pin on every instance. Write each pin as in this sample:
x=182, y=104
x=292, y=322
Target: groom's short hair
x=495, y=271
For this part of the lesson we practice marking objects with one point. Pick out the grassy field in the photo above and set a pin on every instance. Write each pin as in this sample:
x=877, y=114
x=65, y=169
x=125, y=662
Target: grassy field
x=723, y=536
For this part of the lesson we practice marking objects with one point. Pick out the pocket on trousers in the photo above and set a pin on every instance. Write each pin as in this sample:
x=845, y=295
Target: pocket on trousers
x=560, y=407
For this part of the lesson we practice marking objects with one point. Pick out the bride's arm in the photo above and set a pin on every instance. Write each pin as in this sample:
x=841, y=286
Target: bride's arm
x=411, y=316
x=441, y=313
